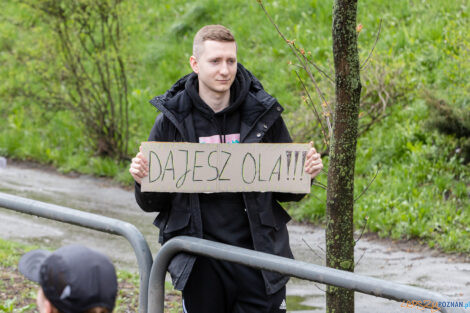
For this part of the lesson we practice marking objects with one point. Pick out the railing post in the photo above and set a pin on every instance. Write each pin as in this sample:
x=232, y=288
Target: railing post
x=260, y=260
x=93, y=221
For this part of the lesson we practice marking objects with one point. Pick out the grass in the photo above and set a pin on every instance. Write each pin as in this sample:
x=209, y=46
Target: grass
x=422, y=188
x=17, y=294
x=420, y=192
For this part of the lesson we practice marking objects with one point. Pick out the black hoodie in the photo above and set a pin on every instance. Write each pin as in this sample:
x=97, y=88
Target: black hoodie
x=224, y=217
x=180, y=213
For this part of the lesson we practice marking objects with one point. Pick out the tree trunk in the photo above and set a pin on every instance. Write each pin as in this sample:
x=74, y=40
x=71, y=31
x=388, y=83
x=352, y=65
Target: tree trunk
x=340, y=193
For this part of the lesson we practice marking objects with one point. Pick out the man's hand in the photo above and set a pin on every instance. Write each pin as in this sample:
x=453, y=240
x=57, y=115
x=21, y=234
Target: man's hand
x=139, y=167
x=313, y=163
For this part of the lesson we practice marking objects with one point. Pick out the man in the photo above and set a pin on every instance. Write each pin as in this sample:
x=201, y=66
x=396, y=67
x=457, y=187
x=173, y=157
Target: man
x=221, y=102
x=73, y=279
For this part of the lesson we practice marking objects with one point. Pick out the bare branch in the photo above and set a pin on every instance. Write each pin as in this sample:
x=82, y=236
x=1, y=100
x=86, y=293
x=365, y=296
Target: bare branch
x=313, y=64
x=362, y=230
x=360, y=258
x=319, y=185
x=373, y=47
x=370, y=183
x=93, y=69
x=326, y=110
x=314, y=109
x=374, y=119
x=319, y=256
x=313, y=250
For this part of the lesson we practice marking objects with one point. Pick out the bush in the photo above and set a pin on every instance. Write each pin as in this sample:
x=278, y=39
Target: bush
x=451, y=120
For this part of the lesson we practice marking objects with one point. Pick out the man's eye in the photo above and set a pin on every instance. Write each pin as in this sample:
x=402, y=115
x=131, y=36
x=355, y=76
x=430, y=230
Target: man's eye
x=215, y=61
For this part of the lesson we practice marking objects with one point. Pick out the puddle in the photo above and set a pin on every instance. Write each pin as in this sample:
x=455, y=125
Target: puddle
x=295, y=303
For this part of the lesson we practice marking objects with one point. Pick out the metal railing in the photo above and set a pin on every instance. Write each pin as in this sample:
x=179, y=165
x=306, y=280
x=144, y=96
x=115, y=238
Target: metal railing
x=260, y=260
x=152, y=277
x=92, y=221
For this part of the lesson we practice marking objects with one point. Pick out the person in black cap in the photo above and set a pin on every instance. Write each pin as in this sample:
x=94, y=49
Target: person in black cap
x=73, y=279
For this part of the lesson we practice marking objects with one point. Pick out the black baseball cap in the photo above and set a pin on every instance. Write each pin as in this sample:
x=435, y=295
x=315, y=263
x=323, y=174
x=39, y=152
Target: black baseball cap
x=74, y=278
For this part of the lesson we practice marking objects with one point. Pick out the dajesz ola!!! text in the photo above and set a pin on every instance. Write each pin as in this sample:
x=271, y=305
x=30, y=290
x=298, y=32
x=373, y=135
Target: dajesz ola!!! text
x=248, y=167
x=251, y=167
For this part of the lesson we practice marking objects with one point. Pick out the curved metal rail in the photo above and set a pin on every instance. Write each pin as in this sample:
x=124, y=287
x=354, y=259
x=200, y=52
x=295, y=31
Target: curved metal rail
x=260, y=260
x=93, y=221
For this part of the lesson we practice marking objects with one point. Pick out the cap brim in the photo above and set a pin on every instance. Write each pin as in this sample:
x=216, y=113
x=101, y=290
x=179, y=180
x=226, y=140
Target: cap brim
x=31, y=262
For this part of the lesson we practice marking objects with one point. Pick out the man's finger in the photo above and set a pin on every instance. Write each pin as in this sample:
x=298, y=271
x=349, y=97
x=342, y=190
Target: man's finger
x=141, y=156
x=138, y=166
x=311, y=162
x=314, y=172
x=312, y=165
x=140, y=159
x=316, y=164
x=312, y=146
x=137, y=178
x=136, y=171
x=311, y=152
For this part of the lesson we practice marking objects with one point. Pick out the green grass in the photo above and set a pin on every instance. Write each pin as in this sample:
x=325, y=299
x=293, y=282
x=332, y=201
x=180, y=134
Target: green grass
x=422, y=188
x=17, y=295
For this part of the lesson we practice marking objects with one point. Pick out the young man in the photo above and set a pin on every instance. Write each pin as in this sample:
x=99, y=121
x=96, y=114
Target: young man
x=221, y=102
x=73, y=279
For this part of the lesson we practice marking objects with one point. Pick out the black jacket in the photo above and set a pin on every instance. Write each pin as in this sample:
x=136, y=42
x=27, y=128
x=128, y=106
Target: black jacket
x=261, y=121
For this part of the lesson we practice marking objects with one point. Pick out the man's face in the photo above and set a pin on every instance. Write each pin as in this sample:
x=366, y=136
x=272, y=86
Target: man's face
x=216, y=66
x=42, y=303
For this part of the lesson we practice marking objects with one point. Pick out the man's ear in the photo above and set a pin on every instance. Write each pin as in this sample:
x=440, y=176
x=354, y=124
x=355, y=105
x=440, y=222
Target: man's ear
x=48, y=307
x=43, y=304
x=194, y=65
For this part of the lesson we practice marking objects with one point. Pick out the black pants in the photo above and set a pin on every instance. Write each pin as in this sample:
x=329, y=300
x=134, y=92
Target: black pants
x=224, y=287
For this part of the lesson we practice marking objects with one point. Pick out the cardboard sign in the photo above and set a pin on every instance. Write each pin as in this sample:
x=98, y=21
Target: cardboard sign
x=205, y=167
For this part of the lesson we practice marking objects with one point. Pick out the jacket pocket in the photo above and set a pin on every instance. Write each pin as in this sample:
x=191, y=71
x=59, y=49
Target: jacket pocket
x=276, y=218
x=178, y=220
x=161, y=220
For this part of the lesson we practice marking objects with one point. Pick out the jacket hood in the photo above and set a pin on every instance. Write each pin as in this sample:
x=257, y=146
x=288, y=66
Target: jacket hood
x=244, y=83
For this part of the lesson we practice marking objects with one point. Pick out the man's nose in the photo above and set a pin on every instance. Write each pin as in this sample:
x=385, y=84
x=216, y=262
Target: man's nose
x=224, y=68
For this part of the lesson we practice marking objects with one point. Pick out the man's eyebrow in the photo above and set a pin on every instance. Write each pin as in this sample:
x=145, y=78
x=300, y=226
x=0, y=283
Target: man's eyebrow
x=218, y=58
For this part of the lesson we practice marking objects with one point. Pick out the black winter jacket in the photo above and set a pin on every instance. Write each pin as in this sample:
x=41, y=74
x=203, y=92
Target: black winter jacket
x=179, y=213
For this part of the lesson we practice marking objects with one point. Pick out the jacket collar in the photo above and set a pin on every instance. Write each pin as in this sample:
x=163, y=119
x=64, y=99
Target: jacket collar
x=257, y=113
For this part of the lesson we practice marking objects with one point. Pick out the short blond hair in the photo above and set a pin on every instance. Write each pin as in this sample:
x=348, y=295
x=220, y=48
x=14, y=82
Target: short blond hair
x=211, y=32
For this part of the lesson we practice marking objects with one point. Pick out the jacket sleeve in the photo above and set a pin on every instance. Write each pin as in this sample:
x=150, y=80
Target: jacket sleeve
x=278, y=133
x=155, y=201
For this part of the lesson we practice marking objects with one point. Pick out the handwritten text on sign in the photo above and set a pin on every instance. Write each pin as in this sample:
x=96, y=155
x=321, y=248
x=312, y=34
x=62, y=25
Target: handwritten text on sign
x=194, y=167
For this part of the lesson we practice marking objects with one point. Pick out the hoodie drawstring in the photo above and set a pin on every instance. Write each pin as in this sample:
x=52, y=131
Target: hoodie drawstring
x=223, y=128
x=220, y=131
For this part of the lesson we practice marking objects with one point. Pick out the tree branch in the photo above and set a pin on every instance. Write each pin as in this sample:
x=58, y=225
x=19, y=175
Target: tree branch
x=370, y=183
x=373, y=47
